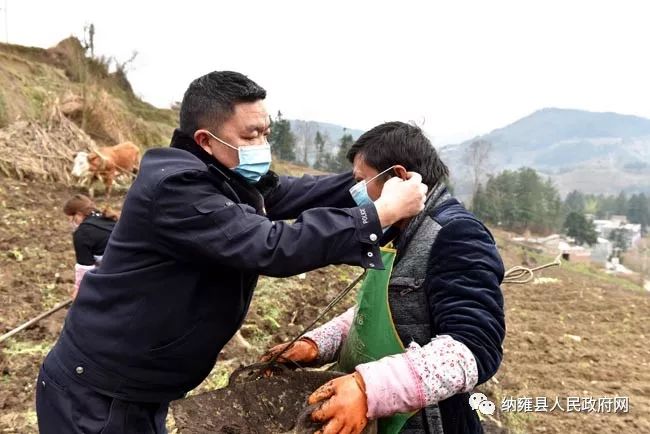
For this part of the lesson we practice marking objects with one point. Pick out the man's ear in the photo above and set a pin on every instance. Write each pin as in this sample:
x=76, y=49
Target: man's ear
x=400, y=171
x=202, y=138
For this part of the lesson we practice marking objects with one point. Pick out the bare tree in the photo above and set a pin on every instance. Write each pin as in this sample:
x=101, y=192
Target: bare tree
x=477, y=156
x=121, y=68
x=125, y=66
x=305, y=133
x=89, y=39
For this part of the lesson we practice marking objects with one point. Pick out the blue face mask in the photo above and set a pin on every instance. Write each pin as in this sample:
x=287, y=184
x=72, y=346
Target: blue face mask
x=254, y=160
x=359, y=191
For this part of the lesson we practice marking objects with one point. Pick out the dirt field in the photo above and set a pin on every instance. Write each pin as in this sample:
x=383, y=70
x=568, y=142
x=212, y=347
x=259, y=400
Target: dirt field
x=583, y=335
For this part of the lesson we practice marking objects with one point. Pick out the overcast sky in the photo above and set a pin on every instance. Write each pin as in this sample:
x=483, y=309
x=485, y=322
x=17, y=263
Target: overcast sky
x=459, y=68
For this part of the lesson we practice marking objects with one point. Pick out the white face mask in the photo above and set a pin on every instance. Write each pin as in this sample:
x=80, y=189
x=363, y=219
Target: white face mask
x=254, y=160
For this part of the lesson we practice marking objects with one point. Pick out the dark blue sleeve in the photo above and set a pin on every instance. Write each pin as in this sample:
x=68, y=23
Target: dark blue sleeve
x=295, y=195
x=193, y=222
x=464, y=291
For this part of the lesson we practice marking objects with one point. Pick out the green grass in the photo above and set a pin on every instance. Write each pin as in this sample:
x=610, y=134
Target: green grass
x=515, y=422
x=37, y=98
x=217, y=379
x=15, y=348
x=272, y=299
x=585, y=269
x=591, y=272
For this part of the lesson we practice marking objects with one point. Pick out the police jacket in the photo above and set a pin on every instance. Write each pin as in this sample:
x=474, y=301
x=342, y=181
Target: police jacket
x=179, y=270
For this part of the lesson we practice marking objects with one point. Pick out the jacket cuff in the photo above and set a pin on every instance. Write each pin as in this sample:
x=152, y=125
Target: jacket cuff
x=369, y=233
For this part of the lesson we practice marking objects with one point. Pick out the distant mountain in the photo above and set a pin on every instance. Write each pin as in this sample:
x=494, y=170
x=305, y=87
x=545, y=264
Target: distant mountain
x=591, y=152
x=305, y=133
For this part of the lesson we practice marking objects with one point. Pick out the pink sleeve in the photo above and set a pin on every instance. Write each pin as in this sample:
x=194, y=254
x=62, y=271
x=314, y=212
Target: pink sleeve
x=419, y=377
x=79, y=271
x=331, y=335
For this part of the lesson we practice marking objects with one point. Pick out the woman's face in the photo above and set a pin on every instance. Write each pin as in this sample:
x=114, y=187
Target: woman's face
x=75, y=220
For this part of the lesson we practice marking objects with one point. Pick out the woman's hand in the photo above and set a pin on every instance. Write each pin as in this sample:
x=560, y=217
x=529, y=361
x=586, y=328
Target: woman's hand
x=302, y=351
x=73, y=291
x=344, y=407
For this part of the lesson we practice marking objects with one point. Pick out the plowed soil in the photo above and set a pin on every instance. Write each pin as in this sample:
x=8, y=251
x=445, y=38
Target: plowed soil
x=582, y=335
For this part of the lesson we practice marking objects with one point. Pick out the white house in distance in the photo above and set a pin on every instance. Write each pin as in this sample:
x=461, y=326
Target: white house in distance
x=601, y=252
x=631, y=232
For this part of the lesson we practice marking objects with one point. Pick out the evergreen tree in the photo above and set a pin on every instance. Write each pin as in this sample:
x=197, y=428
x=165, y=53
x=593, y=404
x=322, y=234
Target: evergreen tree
x=519, y=201
x=620, y=206
x=638, y=211
x=574, y=202
x=592, y=206
x=340, y=163
x=550, y=208
x=618, y=239
x=322, y=157
x=482, y=206
x=283, y=142
x=581, y=229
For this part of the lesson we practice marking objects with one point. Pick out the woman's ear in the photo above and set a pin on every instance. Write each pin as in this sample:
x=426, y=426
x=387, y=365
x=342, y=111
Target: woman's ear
x=400, y=171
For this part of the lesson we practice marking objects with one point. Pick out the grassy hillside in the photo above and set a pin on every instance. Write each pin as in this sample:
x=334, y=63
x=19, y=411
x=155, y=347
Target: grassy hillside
x=33, y=80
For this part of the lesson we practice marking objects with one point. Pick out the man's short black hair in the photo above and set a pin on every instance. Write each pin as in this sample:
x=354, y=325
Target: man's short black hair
x=210, y=100
x=399, y=143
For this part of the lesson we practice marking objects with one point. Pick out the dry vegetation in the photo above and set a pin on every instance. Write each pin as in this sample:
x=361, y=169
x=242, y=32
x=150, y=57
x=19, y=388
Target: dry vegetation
x=100, y=102
x=42, y=150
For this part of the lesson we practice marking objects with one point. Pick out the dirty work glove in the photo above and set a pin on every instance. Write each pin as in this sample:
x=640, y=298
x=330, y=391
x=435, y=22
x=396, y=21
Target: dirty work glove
x=303, y=351
x=344, y=405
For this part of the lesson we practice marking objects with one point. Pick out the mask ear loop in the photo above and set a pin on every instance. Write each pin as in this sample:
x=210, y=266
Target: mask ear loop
x=380, y=173
x=221, y=141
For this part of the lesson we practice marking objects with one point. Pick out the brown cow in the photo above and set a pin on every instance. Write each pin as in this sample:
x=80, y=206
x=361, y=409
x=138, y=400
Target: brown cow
x=106, y=163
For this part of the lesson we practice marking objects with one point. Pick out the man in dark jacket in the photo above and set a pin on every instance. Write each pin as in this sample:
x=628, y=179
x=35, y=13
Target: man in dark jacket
x=445, y=304
x=199, y=224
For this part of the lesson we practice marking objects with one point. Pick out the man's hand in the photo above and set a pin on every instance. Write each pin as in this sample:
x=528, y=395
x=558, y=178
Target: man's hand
x=345, y=406
x=302, y=351
x=401, y=199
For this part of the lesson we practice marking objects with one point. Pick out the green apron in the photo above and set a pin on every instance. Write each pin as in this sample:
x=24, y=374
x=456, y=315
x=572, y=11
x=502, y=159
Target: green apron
x=372, y=334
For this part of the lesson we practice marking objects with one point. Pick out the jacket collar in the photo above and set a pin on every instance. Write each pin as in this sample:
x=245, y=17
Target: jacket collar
x=437, y=196
x=183, y=141
x=251, y=194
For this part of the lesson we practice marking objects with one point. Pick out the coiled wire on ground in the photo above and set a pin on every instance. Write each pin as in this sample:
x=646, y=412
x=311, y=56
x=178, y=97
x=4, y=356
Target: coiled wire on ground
x=521, y=274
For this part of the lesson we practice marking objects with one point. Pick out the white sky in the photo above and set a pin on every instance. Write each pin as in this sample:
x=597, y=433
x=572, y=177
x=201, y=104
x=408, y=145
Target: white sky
x=461, y=68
